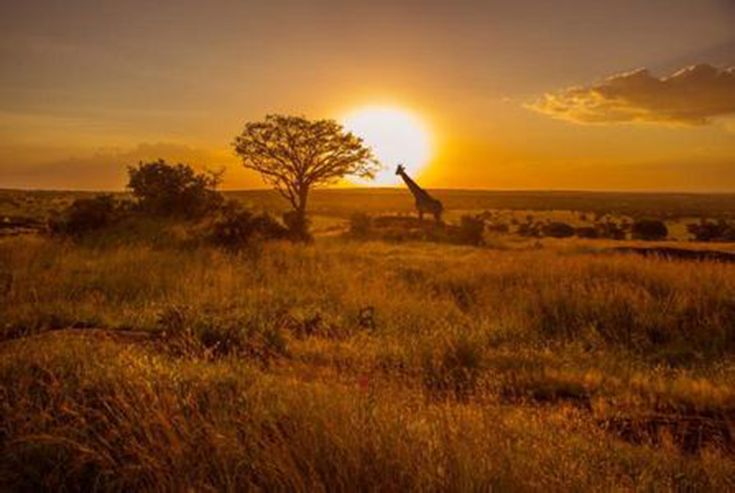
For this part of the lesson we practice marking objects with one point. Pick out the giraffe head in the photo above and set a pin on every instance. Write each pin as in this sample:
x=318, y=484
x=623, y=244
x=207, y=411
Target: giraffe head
x=400, y=169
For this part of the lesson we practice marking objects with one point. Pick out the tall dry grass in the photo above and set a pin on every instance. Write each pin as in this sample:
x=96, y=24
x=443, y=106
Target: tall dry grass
x=416, y=291
x=478, y=368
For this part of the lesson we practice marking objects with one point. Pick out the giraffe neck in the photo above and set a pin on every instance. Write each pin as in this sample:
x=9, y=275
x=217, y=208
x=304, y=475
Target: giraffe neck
x=416, y=190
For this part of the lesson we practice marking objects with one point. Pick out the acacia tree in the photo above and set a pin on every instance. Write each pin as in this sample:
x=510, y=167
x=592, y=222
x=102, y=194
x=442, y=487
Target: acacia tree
x=294, y=155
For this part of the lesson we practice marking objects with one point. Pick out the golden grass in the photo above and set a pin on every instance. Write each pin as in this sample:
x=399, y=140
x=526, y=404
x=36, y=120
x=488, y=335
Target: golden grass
x=519, y=369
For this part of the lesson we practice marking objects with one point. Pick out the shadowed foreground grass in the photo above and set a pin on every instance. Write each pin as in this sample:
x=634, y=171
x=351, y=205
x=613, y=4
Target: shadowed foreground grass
x=353, y=366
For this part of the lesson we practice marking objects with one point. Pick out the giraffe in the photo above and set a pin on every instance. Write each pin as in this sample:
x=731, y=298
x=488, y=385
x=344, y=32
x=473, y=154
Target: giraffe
x=424, y=201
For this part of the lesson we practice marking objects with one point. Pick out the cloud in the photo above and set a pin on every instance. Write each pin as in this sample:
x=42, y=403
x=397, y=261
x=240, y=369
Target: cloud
x=692, y=96
x=106, y=169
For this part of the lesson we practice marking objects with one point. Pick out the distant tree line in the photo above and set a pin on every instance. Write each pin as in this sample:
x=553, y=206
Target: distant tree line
x=604, y=227
x=720, y=230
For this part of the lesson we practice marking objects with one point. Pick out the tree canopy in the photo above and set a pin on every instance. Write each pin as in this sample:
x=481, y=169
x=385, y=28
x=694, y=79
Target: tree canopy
x=294, y=154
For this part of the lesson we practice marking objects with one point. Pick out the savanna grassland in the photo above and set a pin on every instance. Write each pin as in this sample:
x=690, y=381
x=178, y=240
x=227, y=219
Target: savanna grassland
x=360, y=365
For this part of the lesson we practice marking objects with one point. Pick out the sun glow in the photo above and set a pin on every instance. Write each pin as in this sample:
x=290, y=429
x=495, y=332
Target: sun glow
x=396, y=136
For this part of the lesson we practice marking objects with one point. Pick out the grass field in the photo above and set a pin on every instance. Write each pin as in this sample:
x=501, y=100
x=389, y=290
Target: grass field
x=360, y=366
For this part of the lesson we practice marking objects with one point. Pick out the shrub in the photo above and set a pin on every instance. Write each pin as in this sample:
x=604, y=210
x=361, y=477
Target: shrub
x=238, y=227
x=498, y=228
x=708, y=231
x=558, y=230
x=174, y=190
x=610, y=230
x=587, y=232
x=530, y=229
x=86, y=215
x=471, y=230
x=649, y=230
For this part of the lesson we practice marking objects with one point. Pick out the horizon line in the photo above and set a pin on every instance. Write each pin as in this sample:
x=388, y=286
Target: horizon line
x=399, y=188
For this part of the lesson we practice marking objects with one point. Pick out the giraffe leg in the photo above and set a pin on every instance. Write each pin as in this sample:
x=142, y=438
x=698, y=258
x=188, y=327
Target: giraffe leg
x=421, y=215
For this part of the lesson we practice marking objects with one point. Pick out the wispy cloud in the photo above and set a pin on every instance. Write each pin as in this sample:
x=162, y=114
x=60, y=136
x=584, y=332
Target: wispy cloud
x=106, y=168
x=691, y=96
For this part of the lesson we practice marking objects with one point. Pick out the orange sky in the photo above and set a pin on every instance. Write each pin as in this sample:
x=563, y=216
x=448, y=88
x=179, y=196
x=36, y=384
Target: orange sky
x=518, y=94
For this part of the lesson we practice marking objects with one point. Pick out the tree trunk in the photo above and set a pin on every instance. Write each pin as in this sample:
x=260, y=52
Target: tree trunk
x=300, y=224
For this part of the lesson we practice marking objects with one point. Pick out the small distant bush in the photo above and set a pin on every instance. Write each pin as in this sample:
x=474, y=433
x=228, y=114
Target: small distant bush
x=610, y=229
x=498, y=227
x=558, y=230
x=530, y=229
x=86, y=215
x=360, y=225
x=587, y=232
x=710, y=231
x=238, y=227
x=649, y=230
x=164, y=189
x=471, y=230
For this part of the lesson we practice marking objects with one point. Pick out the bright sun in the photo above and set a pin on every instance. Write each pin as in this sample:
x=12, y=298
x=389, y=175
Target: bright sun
x=395, y=135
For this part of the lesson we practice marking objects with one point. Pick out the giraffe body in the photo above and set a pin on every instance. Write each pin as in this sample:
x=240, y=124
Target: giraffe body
x=425, y=203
